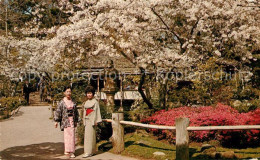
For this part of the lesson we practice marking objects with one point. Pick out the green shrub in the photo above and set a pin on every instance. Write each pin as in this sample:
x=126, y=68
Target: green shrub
x=80, y=133
x=245, y=106
x=9, y=104
x=139, y=110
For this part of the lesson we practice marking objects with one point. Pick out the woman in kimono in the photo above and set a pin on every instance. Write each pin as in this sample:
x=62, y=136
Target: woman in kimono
x=91, y=117
x=68, y=117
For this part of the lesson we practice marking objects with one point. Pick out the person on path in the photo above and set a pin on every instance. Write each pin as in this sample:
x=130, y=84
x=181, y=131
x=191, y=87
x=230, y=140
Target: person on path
x=68, y=116
x=91, y=117
x=26, y=91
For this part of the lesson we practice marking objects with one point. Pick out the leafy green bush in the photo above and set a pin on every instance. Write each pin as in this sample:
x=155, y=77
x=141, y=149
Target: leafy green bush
x=9, y=104
x=245, y=106
x=80, y=133
x=104, y=129
x=139, y=110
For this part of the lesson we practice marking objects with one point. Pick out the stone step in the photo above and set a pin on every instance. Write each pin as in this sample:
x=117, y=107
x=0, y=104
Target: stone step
x=40, y=104
x=35, y=100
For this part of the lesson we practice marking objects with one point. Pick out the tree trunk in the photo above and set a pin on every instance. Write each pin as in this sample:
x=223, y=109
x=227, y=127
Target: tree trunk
x=140, y=90
x=163, y=92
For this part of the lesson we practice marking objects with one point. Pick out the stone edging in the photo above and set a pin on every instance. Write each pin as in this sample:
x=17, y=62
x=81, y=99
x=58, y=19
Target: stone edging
x=15, y=111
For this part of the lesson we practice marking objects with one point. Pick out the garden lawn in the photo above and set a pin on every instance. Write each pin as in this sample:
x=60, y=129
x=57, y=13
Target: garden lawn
x=142, y=146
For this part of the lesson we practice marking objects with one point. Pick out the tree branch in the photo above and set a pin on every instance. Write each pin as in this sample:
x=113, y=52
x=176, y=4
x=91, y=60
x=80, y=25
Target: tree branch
x=171, y=30
x=193, y=28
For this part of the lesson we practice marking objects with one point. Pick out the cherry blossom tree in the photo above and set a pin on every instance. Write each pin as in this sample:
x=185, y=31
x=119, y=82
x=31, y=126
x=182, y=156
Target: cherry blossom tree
x=159, y=32
x=151, y=34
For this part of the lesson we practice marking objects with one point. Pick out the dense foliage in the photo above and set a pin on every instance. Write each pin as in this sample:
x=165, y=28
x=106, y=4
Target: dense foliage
x=8, y=104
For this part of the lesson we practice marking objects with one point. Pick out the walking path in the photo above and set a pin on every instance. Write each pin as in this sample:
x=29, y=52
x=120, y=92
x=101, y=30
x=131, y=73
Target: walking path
x=30, y=134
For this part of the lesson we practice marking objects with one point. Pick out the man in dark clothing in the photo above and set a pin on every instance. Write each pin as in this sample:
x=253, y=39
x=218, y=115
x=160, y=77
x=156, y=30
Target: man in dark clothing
x=26, y=91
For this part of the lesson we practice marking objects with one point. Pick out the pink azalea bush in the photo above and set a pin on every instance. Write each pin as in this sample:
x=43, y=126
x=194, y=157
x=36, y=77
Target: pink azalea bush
x=220, y=115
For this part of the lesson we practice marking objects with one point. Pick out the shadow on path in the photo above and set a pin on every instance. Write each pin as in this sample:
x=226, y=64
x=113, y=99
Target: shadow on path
x=46, y=150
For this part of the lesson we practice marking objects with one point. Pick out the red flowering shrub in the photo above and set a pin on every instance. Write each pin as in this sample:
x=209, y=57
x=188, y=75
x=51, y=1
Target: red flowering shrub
x=221, y=115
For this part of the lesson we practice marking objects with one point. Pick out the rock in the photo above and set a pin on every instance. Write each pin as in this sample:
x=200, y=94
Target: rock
x=142, y=132
x=207, y=146
x=159, y=154
x=109, y=145
x=228, y=155
x=209, y=151
x=214, y=143
x=222, y=155
x=214, y=155
x=105, y=146
x=237, y=103
x=217, y=155
x=143, y=142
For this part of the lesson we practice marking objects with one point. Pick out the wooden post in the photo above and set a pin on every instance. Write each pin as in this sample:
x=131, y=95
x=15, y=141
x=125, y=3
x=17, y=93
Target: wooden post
x=52, y=108
x=81, y=111
x=98, y=89
x=118, y=133
x=182, y=139
x=121, y=90
x=6, y=23
x=121, y=109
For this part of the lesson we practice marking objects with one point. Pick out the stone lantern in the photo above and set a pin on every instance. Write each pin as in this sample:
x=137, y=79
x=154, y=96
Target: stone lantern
x=110, y=87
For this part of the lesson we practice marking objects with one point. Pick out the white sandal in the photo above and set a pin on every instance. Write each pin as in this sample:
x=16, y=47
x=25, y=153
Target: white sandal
x=87, y=155
x=72, y=155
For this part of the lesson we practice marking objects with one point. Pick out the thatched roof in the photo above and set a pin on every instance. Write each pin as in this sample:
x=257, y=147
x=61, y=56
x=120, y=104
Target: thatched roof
x=99, y=63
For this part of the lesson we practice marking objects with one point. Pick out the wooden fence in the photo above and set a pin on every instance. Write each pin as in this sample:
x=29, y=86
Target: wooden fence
x=182, y=135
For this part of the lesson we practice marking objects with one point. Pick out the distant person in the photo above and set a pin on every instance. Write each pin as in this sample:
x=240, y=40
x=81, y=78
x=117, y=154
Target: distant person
x=67, y=115
x=37, y=83
x=42, y=90
x=27, y=91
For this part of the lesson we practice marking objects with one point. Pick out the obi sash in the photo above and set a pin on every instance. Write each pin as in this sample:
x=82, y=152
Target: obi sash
x=88, y=111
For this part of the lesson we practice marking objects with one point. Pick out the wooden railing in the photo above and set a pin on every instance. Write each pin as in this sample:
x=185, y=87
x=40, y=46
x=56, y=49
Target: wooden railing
x=182, y=135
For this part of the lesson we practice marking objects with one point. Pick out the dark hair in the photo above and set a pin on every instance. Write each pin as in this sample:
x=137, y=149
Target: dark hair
x=90, y=89
x=67, y=87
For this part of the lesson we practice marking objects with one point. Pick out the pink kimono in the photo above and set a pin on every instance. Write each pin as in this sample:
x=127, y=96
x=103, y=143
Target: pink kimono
x=69, y=132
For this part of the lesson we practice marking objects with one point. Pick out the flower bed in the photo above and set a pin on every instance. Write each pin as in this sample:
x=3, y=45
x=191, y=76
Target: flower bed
x=220, y=115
